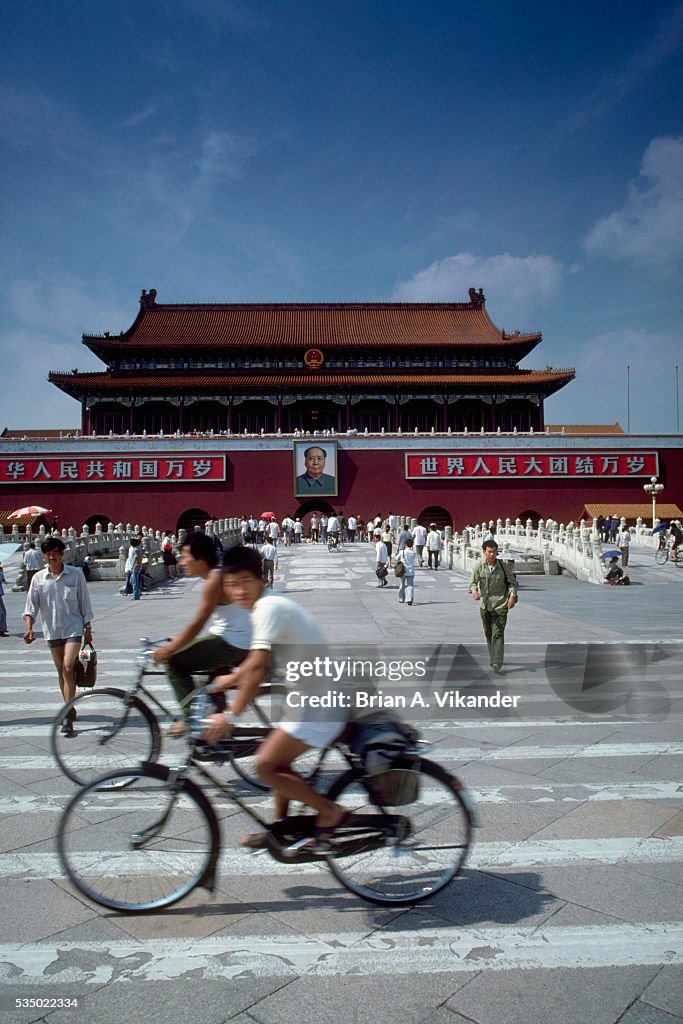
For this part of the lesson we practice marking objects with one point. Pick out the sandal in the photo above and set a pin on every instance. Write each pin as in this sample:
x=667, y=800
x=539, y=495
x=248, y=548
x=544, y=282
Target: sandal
x=254, y=841
x=324, y=834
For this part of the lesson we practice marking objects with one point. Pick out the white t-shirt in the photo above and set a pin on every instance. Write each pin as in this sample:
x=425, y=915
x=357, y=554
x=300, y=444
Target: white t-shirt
x=332, y=525
x=419, y=534
x=232, y=624
x=382, y=553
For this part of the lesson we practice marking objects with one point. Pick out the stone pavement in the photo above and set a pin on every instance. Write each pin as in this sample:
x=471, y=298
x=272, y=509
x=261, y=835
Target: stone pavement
x=569, y=908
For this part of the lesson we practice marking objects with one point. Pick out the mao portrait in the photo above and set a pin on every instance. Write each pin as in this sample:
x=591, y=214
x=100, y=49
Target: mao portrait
x=315, y=469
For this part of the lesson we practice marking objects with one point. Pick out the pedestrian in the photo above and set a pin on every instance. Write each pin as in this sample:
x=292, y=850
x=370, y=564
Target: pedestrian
x=351, y=527
x=408, y=556
x=59, y=594
x=420, y=538
x=388, y=538
x=3, y=610
x=229, y=634
x=314, y=528
x=33, y=563
x=434, y=545
x=269, y=557
x=403, y=538
x=623, y=543
x=168, y=555
x=494, y=585
x=133, y=568
x=280, y=629
x=381, y=558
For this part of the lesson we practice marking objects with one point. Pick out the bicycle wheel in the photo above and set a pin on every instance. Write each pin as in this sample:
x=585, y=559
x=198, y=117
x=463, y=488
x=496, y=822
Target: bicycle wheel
x=109, y=733
x=661, y=556
x=431, y=841
x=142, y=847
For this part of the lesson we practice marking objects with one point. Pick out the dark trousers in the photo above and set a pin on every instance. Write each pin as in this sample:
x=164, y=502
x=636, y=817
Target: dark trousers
x=494, y=630
x=210, y=654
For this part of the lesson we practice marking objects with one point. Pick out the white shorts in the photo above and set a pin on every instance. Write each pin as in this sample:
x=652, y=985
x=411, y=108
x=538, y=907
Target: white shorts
x=313, y=734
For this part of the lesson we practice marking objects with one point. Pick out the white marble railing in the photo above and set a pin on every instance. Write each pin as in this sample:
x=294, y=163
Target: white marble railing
x=109, y=548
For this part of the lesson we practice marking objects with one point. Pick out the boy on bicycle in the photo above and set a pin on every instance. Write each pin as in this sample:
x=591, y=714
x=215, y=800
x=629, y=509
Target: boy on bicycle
x=280, y=630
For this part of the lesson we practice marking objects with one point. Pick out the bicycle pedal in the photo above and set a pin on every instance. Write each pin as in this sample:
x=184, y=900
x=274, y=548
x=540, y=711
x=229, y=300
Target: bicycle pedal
x=298, y=845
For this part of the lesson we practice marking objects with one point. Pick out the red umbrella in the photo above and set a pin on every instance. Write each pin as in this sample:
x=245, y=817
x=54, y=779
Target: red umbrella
x=267, y=515
x=29, y=510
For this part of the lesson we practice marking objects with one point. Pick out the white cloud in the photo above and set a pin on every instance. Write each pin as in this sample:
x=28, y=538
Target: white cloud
x=515, y=285
x=648, y=228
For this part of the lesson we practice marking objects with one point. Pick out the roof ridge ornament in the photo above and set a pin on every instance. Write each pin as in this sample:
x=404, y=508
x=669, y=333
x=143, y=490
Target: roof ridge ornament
x=148, y=298
x=477, y=298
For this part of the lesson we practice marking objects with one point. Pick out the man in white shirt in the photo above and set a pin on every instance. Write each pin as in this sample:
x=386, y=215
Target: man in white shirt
x=282, y=631
x=434, y=545
x=229, y=634
x=352, y=526
x=381, y=557
x=269, y=556
x=333, y=529
x=419, y=536
x=59, y=594
x=33, y=563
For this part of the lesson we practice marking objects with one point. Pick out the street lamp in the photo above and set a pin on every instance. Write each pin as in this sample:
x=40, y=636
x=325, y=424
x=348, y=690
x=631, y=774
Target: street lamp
x=654, y=490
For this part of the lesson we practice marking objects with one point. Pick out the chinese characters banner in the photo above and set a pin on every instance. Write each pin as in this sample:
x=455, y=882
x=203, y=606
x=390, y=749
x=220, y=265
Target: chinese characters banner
x=113, y=469
x=546, y=465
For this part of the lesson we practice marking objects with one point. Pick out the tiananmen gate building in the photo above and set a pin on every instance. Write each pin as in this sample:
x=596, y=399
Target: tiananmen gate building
x=419, y=408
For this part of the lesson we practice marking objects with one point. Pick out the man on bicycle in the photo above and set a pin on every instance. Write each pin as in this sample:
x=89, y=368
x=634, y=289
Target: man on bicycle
x=229, y=635
x=676, y=535
x=333, y=530
x=281, y=631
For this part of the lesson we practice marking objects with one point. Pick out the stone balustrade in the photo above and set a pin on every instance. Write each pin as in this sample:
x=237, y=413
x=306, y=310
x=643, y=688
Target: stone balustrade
x=545, y=547
x=108, y=548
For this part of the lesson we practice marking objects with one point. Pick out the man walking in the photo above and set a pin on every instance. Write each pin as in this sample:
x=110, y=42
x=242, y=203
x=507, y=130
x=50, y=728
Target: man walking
x=33, y=563
x=495, y=585
x=434, y=545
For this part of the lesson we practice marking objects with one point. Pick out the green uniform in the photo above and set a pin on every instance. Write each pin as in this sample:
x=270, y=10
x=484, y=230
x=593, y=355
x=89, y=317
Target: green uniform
x=495, y=587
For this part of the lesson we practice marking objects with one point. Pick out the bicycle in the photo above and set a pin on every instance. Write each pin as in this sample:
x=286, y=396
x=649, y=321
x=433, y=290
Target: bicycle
x=147, y=846
x=335, y=541
x=116, y=728
x=663, y=554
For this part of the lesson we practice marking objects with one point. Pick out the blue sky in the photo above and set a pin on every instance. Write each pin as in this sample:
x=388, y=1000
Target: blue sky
x=220, y=150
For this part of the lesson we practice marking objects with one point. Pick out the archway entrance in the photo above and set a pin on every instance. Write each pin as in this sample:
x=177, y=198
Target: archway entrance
x=306, y=509
x=92, y=521
x=193, y=519
x=435, y=514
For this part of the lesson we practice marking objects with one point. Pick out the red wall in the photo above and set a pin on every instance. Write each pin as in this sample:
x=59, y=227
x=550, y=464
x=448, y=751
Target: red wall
x=372, y=480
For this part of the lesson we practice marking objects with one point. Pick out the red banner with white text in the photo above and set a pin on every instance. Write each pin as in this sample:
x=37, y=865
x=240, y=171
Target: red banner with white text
x=499, y=465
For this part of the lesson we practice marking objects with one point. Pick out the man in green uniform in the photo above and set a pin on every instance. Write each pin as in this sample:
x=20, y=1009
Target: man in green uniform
x=494, y=584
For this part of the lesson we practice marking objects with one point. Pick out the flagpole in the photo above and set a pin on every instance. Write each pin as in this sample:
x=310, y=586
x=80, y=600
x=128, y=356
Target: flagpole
x=628, y=399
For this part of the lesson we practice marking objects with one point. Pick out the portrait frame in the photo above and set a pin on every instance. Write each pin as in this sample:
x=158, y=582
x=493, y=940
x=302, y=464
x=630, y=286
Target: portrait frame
x=304, y=485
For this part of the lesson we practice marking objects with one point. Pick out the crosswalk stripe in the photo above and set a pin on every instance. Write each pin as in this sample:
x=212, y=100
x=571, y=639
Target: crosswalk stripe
x=484, y=856
x=436, y=950
x=568, y=793
x=515, y=753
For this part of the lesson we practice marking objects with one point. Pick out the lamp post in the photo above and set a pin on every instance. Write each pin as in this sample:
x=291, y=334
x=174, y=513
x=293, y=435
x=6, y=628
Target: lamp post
x=654, y=490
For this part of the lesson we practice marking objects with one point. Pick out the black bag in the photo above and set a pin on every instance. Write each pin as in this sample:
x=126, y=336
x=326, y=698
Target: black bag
x=381, y=572
x=86, y=667
x=386, y=750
